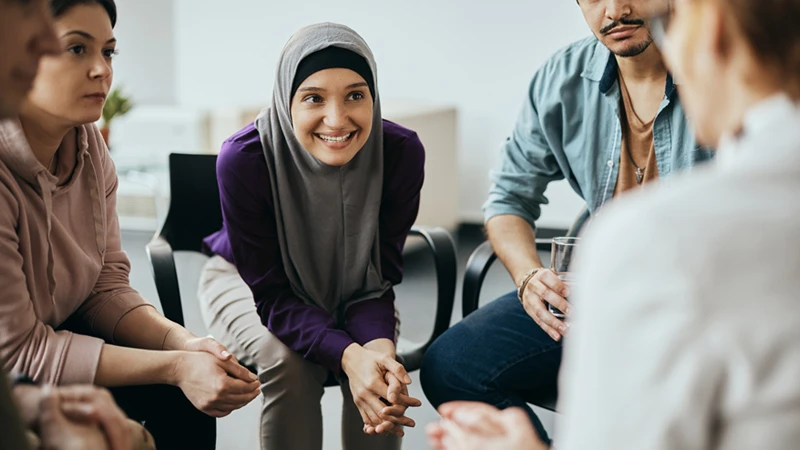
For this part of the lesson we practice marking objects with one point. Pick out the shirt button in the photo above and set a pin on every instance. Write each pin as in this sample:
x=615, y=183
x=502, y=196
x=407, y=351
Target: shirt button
x=610, y=163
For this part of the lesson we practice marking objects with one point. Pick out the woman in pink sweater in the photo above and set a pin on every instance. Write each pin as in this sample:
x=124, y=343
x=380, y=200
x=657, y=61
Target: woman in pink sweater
x=67, y=311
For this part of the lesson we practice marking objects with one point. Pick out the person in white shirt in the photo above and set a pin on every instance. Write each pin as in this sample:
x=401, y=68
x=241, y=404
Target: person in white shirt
x=686, y=333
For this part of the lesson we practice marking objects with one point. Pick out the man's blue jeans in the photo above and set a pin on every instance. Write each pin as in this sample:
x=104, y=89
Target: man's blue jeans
x=497, y=355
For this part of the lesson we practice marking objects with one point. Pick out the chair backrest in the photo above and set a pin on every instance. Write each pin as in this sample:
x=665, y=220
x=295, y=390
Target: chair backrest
x=580, y=222
x=194, y=208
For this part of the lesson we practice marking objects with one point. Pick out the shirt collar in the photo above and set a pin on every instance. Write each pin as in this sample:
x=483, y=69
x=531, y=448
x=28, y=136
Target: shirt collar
x=756, y=122
x=602, y=68
x=767, y=112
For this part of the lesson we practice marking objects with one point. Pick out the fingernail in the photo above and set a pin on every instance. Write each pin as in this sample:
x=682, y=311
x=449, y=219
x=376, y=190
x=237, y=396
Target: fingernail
x=565, y=293
x=225, y=354
x=86, y=410
x=568, y=310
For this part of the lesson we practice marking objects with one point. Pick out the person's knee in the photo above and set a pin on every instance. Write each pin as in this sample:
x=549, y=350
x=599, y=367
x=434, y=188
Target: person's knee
x=430, y=373
x=280, y=369
x=444, y=366
x=277, y=361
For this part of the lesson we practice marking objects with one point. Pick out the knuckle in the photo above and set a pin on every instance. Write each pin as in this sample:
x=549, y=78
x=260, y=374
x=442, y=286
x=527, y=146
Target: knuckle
x=535, y=286
x=219, y=386
x=542, y=315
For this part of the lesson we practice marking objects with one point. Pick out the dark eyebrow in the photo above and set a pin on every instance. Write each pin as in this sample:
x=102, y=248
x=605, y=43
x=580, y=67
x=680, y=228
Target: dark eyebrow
x=317, y=89
x=87, y=36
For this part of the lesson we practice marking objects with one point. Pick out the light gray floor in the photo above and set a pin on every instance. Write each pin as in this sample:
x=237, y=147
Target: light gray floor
x=416, y=303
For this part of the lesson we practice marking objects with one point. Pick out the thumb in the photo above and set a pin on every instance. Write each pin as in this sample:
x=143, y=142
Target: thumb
x=518, y=425
x=236, y=370
x=215, y=348
x=50, y=407
x=397, y=370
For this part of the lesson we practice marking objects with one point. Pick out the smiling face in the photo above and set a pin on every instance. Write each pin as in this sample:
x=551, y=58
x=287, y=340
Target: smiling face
x=72, y=85
x=332, y=115
x=26, y=34
x=621, y=25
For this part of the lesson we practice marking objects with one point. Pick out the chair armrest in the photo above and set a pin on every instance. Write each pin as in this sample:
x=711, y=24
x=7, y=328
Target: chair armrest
x=477, y=267
x=441, y=245
x=162, y=263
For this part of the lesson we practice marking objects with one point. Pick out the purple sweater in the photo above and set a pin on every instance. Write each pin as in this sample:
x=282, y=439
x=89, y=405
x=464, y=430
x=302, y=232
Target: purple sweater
x=248, y=240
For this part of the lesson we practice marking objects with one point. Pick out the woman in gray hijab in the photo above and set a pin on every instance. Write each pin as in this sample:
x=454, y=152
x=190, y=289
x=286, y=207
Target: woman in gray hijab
x=318, y=196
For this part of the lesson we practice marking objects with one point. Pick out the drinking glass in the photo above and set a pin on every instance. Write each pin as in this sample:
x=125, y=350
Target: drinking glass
x=560, y=259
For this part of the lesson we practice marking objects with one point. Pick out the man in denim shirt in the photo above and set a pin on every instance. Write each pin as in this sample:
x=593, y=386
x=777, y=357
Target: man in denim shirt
x=604, y=114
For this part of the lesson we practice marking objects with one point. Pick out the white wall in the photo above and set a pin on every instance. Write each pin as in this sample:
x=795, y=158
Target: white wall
x=146, y=40
x=478, y=56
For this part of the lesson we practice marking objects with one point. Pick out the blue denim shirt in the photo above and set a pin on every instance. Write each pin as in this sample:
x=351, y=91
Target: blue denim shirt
x=569, y=127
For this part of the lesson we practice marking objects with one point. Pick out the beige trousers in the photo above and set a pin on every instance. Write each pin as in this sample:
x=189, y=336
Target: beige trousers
x=291, y=387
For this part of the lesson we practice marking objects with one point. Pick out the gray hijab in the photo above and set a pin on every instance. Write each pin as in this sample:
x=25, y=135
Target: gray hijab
x=326, y=217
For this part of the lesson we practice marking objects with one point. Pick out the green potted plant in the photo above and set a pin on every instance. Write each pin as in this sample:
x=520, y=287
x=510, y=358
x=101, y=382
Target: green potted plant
x=117, y=105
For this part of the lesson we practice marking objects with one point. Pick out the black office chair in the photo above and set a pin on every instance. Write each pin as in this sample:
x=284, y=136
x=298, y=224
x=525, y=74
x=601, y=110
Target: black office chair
x=478, y=266
x=195, y=212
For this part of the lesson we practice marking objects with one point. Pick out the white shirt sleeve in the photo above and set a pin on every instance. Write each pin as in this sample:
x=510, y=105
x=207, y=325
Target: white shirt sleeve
x=640, y=370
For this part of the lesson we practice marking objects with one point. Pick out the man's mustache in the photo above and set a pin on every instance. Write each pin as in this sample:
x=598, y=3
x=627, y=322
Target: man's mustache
x=610, y=27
